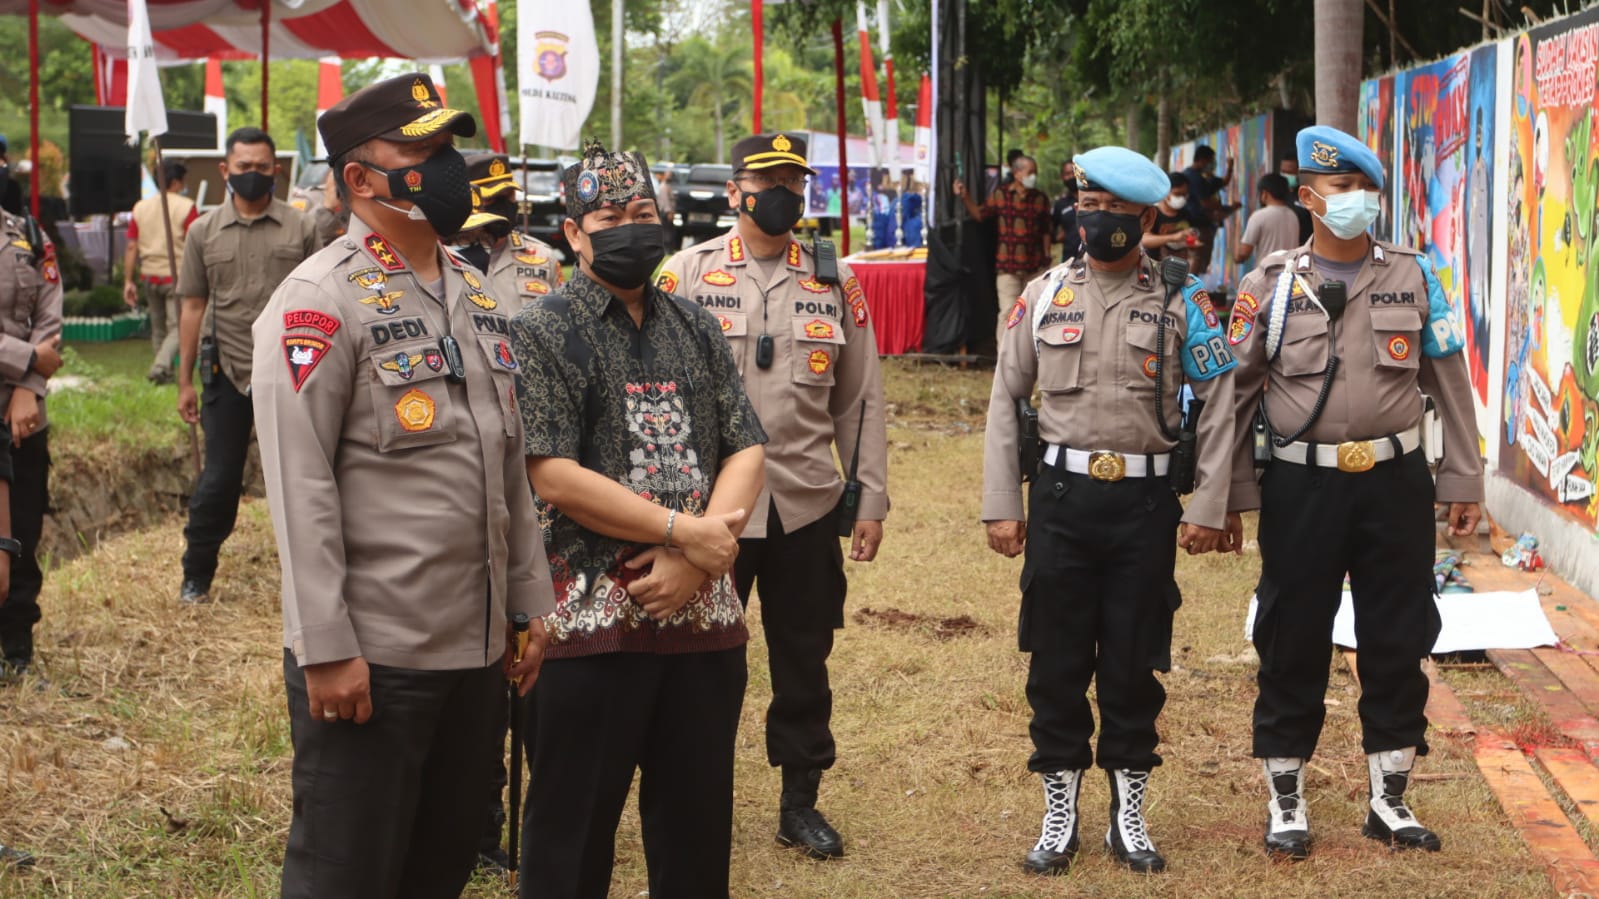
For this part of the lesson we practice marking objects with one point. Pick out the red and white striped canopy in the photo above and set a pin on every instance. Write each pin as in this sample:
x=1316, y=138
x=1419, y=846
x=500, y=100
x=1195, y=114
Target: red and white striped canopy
x=424, y=30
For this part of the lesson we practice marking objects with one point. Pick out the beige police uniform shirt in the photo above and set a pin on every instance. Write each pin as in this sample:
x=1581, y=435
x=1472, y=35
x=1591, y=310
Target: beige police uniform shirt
x=405, y=523
x=524, y=270
x=152, y=233
x=824, y=365
x=235, y=264
x=1093, y=361
x=1386, y=365
x=30, y=310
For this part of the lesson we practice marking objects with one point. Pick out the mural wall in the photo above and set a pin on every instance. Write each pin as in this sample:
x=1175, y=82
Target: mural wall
x=1248, y=144
x=1378, y=120
x=1549, y=429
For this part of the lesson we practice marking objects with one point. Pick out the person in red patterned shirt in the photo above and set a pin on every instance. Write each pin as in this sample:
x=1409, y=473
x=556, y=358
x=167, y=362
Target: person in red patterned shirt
x=1022, y=211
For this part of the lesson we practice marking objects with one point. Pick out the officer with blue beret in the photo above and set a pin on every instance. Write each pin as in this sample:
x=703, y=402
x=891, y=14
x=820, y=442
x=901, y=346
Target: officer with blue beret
x=1109, y=343
x=1339, y=342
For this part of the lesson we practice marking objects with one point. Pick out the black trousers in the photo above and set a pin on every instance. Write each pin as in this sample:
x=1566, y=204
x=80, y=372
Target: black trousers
x=1315, y=525
x=801, y=579
x=390, y=808
x=227, y=416
x=1097, y=604
x=30, y=499
x=598, y=718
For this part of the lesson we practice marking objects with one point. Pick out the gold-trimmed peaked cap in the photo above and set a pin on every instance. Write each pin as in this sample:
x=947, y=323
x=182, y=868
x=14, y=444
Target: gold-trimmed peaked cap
x=603, y=178
x=405, y=109
x=765, y=151
x=490, y=174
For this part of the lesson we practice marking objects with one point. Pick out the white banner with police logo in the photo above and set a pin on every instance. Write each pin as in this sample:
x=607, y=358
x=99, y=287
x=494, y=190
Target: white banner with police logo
x=558, y=70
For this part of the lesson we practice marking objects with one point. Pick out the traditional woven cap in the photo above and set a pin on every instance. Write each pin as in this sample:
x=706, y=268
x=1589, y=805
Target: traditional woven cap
x=604, y=178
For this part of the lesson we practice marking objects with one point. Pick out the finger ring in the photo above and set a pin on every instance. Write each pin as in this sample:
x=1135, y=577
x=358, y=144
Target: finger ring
x=330, y=716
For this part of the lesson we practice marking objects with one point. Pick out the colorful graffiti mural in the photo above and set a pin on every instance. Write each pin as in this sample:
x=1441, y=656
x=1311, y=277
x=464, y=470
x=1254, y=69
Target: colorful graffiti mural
x=1376, y=126
x=1443, y=188
x=1248, y=144
x=1550, y=421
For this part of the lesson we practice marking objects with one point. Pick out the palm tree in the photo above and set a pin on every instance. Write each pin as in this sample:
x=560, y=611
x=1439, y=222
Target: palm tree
x=714, y=75
x=1338, y=26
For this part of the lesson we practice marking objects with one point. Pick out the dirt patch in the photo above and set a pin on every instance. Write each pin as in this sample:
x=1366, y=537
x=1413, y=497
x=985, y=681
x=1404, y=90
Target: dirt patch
x=108, y=491
x=940, y=628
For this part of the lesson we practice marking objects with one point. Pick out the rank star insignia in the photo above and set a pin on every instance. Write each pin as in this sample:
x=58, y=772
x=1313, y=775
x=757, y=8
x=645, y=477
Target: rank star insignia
x=793, y=254
x=379, y=248
x=414, y=411
x=1064, y=296
x=481, y=300
x=815, y=286
x=403, y=364
x=819, y=361
x=1399, y=348
x=817, y=329
x=471, y=280
x=386, y=302
x=303, y=353
x=718, y=277
x=735, y=250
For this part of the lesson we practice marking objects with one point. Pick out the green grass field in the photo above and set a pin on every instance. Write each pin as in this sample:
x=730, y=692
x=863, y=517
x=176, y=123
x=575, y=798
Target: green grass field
x=109, y=404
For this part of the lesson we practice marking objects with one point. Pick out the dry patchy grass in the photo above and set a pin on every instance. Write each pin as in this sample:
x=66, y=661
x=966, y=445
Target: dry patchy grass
x=154, y=706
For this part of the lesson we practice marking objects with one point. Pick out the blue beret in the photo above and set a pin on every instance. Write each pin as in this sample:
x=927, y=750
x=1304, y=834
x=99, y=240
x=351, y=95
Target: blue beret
x=1328, y=151
x=1120, y=171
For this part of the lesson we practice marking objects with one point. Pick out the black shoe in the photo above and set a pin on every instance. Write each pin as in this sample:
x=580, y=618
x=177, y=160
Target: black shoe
x=194, y=593
x=1128, y=836
x=1287, y=827
x=1390, y=819
x=806, y=829
x=14, y=858
x=1057, y=841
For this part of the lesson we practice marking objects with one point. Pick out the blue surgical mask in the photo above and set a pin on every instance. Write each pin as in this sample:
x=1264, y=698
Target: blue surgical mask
x=1349, y=214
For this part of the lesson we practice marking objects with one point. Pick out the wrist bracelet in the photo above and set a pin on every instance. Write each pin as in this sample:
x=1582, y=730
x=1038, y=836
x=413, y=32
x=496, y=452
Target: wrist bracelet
x=671, y=520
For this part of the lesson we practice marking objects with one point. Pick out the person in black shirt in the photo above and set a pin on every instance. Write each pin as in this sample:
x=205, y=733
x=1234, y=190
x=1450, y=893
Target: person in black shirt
x=1064, y=214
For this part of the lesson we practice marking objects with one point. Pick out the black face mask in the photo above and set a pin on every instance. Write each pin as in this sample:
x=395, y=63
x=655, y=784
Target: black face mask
x=774, y=210
x=625, y=256
x=505, y=208
x=251, y=186
x=438, y=188
x=1109, y=236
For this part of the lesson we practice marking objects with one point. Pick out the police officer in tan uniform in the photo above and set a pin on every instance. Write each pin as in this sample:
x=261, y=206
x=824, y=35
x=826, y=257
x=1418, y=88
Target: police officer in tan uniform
x=234, y=257
x=405, y=524
x=1344, y=335
x=802, y=337
x=30, y=341
x=523, y=269
x=1108, y=341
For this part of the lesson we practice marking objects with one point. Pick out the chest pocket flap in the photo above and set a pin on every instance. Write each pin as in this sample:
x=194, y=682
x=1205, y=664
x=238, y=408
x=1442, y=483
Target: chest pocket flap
x=410, y=398
x=733, y=324
x=1304, y=350
x=1060, y=358
x=1395, y=334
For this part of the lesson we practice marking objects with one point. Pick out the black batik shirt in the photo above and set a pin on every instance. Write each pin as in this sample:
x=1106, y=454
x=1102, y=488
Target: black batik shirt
x=655, y=408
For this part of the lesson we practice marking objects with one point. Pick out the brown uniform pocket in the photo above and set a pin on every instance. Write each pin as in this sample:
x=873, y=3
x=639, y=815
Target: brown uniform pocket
x=1396, y=335
x=1142, y=347
x=1060, y=358
x=1304, y=349
x=410, y=397
x=818, y=342
x=503, y=364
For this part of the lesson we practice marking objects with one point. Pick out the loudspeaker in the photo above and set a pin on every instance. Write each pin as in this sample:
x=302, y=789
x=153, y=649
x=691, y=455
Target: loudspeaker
x=105, y=168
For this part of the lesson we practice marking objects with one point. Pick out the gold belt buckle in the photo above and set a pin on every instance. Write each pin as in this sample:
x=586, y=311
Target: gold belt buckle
x=1106, y=466
x=1356, y=455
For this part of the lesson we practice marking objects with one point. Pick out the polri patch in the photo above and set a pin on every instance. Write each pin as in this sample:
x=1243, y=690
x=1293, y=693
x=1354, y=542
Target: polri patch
x=1017, y=313
x=414, y=410
x=819, y=361
x=303, y=353
x=1399, y=347
x=667, y=282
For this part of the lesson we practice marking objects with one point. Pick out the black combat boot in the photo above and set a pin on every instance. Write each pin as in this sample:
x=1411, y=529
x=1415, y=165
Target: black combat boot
x=16, y=653
x=799, y=824
x=1128, y=837
x=14, y=858
x=1057, y=841
x=1287, y=827
x=1390, y=820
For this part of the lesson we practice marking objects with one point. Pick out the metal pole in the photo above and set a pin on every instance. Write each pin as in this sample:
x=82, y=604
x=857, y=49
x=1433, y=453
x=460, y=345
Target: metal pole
x=616, y=75
x=266, y=57
x=33, y=107
x=843, y=131
x=172, y=266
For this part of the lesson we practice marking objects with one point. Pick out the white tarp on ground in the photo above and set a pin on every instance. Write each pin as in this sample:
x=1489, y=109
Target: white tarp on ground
x=1471, y=621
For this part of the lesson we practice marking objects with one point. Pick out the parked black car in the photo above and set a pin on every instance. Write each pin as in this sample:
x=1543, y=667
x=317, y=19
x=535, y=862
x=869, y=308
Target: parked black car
x=544, y=202
x=702, y=209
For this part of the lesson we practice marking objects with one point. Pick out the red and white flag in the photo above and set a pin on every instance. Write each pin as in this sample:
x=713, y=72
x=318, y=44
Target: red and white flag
x=329, y=90
x=871, y=101
x=890, y=103
x=924, y=130
x=215, y=103
x=436, y=72
x=146, y=109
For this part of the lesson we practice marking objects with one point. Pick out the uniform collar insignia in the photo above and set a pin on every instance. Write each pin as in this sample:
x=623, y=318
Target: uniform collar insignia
x=793, y=252
x=386, y=256
x=1377, y=254
x=735, y=249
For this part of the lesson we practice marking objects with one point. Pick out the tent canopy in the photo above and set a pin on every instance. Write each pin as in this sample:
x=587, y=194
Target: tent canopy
x=429, y=31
